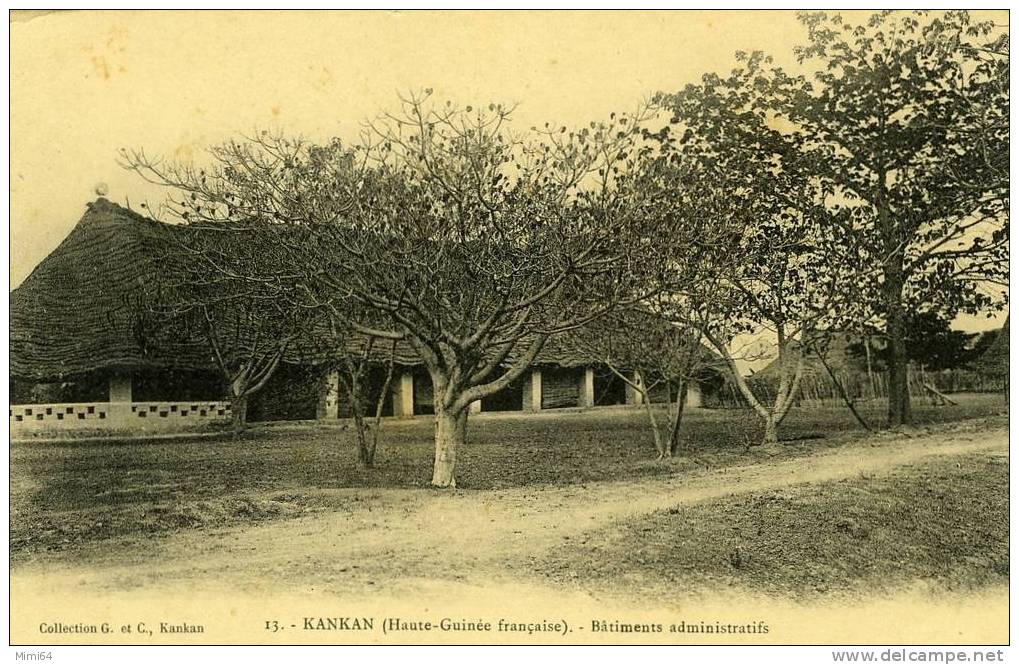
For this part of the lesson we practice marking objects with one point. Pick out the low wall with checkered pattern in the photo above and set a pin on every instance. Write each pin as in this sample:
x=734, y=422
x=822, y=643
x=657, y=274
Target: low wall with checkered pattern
x=136, y=418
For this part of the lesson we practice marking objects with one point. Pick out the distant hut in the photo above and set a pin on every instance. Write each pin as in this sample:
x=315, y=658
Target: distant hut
x=993, y=363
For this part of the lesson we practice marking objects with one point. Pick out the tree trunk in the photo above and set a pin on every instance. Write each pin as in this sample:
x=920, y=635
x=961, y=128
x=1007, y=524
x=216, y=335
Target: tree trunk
x=239, y=415
x=892, y=288
x=641, y=387
x=371, y=445
x=771, y=417
x=660, y=447
x=870, y=371
x=684, y=388
x=365, y=449
x=898, y=365
x=842, y=391
x=450, y=433
x=365, y=452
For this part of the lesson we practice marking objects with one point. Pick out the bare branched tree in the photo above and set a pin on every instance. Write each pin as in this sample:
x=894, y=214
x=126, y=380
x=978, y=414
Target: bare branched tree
x=354, y=371
x=476, y=243
x=246, y=325
x=649, y=354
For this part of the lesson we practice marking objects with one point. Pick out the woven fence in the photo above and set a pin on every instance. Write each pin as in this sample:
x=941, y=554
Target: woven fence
x=821, y=389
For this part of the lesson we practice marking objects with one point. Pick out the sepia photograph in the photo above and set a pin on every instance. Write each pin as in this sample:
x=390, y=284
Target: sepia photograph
x=510, y=327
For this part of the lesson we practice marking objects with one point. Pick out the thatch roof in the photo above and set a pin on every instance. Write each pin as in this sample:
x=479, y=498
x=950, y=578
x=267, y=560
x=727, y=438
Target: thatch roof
x=82, y=308
x=76, y=312
x=994, y=361
x=838, y=356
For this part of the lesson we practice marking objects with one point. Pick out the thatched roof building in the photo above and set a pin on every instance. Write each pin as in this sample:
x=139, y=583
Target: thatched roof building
x=83, y=308
x=85, y=317
x=77, y=312
x=994, y=361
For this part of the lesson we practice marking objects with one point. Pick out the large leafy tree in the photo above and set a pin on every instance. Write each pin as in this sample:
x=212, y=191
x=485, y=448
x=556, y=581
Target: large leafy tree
x=474, y=242
x=931, y=343
x=739, y=184
x=906, y=119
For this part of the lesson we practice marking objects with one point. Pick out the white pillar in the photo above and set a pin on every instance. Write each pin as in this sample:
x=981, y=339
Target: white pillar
x=120, y=388
x=329, y=396
x=403, y=396
x=587, y=388
x=633, y=396
x=475, y=406
x=532, y=392
x=694, y=397
x=120, y=397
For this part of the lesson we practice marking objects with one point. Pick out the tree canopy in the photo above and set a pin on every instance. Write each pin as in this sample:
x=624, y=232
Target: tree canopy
x=475, y=243
x=871, y=190
x=906, y=119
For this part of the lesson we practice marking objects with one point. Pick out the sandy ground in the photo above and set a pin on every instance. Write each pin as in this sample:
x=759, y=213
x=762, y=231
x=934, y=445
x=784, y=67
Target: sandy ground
x=421, y=549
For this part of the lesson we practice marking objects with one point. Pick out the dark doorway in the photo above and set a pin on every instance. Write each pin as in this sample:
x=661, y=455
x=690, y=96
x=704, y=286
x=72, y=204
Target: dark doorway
x=424, y=395
x=290, y=394
x=609, y=389
x=371, y=386
x=510, y=398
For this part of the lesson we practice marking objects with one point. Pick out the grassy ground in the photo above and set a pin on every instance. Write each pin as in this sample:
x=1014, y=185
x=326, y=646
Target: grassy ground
x=940, y=523
x=68, y=496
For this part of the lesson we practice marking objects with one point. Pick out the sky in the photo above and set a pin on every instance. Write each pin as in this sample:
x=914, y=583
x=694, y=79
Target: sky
x=85, y=84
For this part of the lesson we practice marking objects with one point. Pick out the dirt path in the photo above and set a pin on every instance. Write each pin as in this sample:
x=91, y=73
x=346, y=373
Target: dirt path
x=404, y=540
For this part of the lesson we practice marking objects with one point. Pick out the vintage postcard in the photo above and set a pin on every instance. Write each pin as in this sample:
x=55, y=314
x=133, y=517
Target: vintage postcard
x=510, y=327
